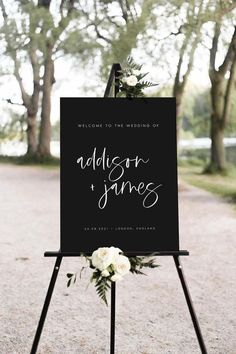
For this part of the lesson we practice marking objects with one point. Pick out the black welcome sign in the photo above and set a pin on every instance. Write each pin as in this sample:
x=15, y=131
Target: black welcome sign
x=119, y=175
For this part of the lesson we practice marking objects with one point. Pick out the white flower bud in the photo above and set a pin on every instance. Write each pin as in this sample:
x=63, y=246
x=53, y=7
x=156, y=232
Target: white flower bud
x=132, y=80
x=105, y=273
x=116, y=277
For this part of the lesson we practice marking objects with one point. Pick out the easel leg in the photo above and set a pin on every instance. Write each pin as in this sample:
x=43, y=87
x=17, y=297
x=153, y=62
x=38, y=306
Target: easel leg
x=190, y=305
x=46, y=305
x=113, y=318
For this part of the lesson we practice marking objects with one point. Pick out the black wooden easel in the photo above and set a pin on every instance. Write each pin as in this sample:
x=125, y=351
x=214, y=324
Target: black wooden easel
x=114, y=77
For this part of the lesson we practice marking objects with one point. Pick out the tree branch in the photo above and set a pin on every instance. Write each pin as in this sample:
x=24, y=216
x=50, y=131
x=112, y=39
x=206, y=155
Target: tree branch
x=61, y=6
x=13, y=54
x=100, y=35
x=194, y=45
x=229, y=92
x=9, y=100
x=96, y=26
x=128, y=9
x=218, y=13
x=214, y=48
x=24, y=95
x=180, y=62
x=191, y=60
x=226, y=10
x=123, y=10
x=64, y=21
x=179, y=31
x=188, y=35
x=229, y=56
x=36, y=78
x=70, y=7
x=44, y=3
x=4, y=14
x=113, y=22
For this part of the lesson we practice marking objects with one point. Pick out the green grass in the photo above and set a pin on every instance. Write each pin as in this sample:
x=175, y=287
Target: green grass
x=8, y=159
x=223, y=185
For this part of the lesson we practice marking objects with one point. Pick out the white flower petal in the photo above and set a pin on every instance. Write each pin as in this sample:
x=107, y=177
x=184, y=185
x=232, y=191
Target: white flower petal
x=105, y=273
x=116, y=277
x=121, y=265
x=102, y=258
x=132, y=80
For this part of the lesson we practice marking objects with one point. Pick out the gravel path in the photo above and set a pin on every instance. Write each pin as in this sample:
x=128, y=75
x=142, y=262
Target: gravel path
x=152, y=316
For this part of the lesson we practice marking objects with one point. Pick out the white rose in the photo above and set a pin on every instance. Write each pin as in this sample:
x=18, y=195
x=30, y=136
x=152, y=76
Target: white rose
x=124, y=80
x=136, y=72
x=121, y=265
x=116, y=251
x=105, y=273
x=132, y=80
x=102, y=258
x=116, y=277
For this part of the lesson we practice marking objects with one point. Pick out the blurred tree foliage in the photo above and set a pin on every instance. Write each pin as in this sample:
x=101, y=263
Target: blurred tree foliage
x=167, y=35
x=222, y=79
x=196, y=110
x=37, y=33
x=14, y=128
x=34, y=34
x=56, y=131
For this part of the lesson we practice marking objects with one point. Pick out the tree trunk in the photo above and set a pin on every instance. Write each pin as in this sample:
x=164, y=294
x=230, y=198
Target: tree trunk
x=45, y=127
x=31, y=134
x=32, y=111
x=221, y=92
x=218, y=159
x=178, y=93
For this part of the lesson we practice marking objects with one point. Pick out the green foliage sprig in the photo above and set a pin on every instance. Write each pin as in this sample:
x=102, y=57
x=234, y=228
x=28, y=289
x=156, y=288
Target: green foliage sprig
x=138, y=263
x=109, y=264
x=131, y=83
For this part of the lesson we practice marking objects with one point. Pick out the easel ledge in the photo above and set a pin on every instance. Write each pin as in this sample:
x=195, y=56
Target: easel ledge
x=129, y=254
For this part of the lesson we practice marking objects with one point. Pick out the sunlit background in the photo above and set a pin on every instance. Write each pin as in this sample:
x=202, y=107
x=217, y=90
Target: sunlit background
x=172, y=41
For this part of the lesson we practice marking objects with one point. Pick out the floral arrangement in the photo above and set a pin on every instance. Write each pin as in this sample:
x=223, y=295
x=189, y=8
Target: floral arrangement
x=109, y=264
x=131, y=83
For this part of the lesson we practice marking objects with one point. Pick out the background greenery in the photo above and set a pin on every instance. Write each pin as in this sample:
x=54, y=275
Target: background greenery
x=51, y=48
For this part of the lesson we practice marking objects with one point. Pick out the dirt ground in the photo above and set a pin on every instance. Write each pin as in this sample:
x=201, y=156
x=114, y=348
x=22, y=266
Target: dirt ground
x=152, y=316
